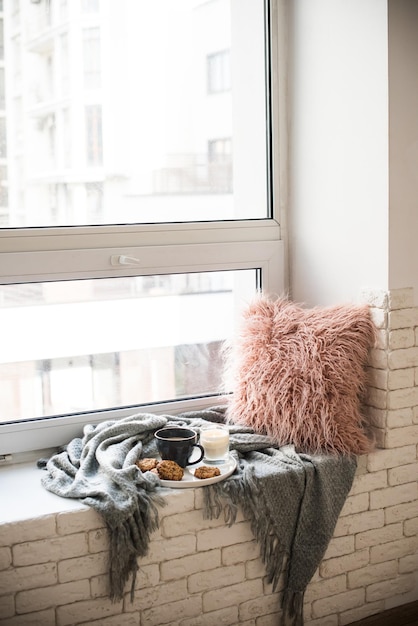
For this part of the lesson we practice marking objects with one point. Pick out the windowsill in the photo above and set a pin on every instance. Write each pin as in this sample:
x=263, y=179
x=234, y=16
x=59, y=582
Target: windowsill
x=24, y=497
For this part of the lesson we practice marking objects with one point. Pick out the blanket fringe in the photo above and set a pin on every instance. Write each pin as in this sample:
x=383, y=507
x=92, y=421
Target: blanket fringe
x=292, y=607
x=227, y=498
x=130, y=540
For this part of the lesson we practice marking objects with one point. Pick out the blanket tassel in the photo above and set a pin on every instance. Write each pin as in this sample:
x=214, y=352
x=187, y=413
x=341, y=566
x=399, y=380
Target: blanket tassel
x=292, y=607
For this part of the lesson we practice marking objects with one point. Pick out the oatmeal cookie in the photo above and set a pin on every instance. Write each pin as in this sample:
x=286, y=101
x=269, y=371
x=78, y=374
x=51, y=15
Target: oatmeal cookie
x=146, y=465
x=204, y=471
x=170, y=470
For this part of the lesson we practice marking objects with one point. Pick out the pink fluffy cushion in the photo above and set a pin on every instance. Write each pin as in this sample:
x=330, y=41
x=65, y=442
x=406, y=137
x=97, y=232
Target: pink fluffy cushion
x=299, y=374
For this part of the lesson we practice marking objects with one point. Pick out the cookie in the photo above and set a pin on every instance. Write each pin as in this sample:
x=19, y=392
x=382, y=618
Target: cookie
x=205, y=471
x=145, y=465
x=170, y=470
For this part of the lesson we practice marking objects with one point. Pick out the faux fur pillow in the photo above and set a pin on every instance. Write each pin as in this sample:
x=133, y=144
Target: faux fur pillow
x=299, y=374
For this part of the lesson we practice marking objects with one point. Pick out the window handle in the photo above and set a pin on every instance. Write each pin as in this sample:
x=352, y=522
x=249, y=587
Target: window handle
x=122, y=259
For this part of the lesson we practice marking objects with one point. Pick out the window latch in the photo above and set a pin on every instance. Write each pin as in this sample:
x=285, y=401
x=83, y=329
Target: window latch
x=121, y=259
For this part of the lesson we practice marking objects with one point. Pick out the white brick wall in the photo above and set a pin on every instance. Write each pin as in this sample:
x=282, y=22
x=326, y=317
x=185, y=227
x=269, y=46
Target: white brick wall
x=53, y=569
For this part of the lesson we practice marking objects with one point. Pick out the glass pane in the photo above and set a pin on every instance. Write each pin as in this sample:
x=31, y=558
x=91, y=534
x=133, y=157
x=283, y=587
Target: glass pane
x=160, y=104
x=76, y=346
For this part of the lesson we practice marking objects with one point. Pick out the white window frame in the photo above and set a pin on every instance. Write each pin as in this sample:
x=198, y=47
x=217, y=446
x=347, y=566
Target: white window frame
x=39, y=254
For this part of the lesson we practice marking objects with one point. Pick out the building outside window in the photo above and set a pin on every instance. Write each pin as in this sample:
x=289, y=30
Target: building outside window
x=91, y=58
x=94, y=138
x=219, y=71
x=140, y=218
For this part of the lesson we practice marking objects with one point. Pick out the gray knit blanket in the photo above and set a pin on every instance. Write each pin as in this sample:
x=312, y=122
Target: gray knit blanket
x=292, y=500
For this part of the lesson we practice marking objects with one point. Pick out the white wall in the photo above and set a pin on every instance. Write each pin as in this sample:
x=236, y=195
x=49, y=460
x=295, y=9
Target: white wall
x=403, y=144
x=338, y=137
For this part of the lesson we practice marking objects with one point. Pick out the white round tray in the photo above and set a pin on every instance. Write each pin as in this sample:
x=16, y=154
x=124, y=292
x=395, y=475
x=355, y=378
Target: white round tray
x=227, y=468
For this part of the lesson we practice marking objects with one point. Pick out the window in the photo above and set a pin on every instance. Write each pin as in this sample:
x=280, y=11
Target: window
x=141, y=215
x=94, y=145
x=219, y=72
x=91, y=56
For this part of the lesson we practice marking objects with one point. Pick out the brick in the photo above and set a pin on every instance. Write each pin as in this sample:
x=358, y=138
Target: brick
x=385, y=589
x=99, y=586
x=393, y=495
x=343, y=564
x=85, y=611
x=403, y=474
x=361, y=465
x=238, y=533
x=225, y=617
x=369, y=482
x=252, y=606
x=127, y=619
x=379, y=437
x=377, y=417
x=379, y=318
x=329, y=620
x=379, y=536
x=255, y=569
x=177, y=502
x=403, y=358
x=372, y=574
x=216, y=578
x=240, y=552
x=402, y=338
x=399, y=418
x=168, y=549
x=53, y=550
x=401, y=512
x=28, y=530
x=90, y=565
x=40, y=618
x=166, y=593
x=374, y=297
x=401, y=379
x=408, y=564
x=72, y=522
x=325, y=588
x=163, y=613
x=382, y=334
x=98, y=540
x=402, y=398
x=233, y=595
x=401, y=298
x=147, y=576
x=338, y=603
x=377, y=378
x=39, y=599
x=393, y=550
x=7, y=606
x=181, y=524
x=30, y=577
x=384, y=459
x=181, y=568
x=376, y=398
x=404, y=318
x=352, y=524
x=398, y=437
x=355, y=504
x=338, y=546
x=5, y=558
x=378, y=358
x=411, y=527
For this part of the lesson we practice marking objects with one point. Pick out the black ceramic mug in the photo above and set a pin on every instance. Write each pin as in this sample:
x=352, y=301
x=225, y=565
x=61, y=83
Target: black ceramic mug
x=177, y=443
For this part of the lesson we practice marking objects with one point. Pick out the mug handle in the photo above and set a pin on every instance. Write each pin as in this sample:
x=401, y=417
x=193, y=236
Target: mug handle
x=202, y=452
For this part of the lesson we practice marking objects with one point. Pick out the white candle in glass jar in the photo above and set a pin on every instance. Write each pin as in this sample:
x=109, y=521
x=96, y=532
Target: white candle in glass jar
x=215, y=442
